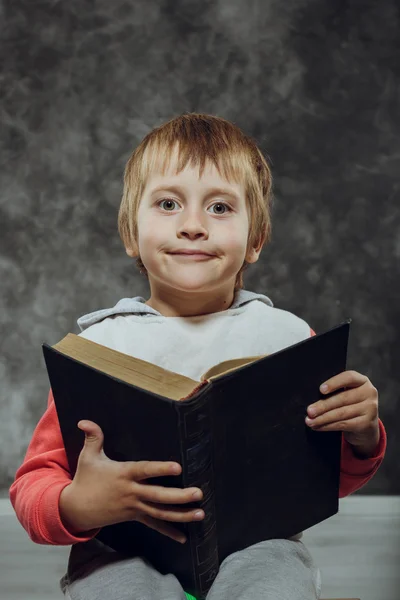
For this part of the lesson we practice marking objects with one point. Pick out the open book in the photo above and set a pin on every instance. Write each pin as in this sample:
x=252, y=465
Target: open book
x=141, y=373
x=239, y=434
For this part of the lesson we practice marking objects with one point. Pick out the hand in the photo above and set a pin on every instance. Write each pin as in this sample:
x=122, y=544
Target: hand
x=104, y=491
x=353, y=411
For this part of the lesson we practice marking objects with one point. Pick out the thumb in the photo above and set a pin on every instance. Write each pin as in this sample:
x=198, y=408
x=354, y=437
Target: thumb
x=94, y=437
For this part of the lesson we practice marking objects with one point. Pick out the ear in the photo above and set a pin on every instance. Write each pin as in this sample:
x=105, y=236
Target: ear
x=132, y=250
x=253, y=253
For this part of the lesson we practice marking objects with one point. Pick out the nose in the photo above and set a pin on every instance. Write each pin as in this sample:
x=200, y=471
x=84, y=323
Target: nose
x=192, y=226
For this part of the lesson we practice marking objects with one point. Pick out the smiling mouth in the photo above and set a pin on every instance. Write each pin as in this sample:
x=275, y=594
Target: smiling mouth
x=197, y=255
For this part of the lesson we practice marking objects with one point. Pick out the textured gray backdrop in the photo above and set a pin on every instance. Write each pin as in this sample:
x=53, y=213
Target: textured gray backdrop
x=316, y=83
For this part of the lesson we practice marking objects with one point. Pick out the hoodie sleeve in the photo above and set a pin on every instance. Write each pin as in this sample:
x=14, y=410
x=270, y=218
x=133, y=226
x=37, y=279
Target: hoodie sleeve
x=355, y=472
x=39, y=482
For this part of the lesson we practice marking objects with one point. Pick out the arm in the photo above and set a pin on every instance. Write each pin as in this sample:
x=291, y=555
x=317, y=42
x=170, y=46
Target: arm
x=39, y=482
x=356, y=471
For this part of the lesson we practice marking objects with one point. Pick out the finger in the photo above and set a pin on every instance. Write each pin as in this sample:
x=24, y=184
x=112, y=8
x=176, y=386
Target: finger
x=94, y=437
x=352, y=422
x=169, y=513
x=348, y=379
x=144, y=469
x=163, y=495
x=347, y=398
x=163, y=528
x=339, y=417
x=349, y=425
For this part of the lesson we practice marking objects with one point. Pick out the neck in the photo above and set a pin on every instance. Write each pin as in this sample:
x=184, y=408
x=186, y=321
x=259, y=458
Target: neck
x=184, y=304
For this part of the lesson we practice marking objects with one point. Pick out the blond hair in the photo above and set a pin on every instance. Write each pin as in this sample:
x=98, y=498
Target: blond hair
x=200, y=137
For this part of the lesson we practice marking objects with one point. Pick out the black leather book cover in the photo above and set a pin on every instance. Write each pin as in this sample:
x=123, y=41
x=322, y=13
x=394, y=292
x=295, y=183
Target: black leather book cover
x=241, y=438
x=274, y=476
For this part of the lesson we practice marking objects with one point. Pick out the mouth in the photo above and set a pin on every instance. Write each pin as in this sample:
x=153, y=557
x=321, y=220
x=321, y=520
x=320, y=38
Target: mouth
x=193, y=255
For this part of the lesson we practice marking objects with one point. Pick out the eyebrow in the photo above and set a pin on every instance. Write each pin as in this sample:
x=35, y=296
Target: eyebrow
x=176, y=189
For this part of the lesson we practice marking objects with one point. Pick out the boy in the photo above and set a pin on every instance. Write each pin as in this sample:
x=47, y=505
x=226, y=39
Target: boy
x=195, y=212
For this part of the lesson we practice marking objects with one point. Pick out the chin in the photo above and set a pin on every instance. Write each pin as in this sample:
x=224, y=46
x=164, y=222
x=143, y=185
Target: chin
x=190, y=285
x=194, y=287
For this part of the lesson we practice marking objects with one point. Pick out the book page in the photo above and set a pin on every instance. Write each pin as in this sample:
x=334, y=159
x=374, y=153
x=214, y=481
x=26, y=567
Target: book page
x=228, y=365
x=128, y=368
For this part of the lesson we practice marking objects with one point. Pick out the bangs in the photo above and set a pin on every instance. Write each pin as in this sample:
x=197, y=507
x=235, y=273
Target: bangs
x=196, y=145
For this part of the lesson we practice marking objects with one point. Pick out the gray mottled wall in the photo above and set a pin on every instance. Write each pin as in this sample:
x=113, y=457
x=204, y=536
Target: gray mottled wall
x=316, y=83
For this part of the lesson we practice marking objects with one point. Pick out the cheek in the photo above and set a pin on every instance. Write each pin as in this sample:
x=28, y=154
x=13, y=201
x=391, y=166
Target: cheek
x=150, y=234
x=235, y=239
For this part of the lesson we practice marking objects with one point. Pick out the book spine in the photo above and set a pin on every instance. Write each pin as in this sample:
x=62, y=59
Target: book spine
x=196, y=432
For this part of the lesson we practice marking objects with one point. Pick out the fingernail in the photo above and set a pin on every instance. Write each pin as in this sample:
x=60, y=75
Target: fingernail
x=197, y=495
x=182, y=540
x=198, y=514
x=324, y=388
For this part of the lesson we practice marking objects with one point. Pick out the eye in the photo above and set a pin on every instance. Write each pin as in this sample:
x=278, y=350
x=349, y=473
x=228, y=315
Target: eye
x=226, y=206
x=170, y=201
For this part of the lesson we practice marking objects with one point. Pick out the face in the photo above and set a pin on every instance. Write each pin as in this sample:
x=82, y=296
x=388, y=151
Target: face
x=183, y=212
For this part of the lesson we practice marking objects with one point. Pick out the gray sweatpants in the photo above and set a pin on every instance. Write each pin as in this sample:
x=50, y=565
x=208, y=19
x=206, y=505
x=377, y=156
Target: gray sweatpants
x=272, y=569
